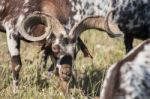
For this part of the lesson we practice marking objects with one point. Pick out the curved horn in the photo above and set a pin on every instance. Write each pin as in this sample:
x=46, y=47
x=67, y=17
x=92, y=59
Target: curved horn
x=50, y=22
x=112, y=28
x=95, y=22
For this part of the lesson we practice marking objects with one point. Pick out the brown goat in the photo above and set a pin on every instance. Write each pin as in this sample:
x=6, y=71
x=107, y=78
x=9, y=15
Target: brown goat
x=56, y=19
x=19, y=18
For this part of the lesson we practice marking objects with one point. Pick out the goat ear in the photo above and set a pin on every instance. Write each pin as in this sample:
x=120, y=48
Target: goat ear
x=84, y=48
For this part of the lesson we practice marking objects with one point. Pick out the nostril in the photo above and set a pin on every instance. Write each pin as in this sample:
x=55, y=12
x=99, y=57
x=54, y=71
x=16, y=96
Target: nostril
x=56, y=48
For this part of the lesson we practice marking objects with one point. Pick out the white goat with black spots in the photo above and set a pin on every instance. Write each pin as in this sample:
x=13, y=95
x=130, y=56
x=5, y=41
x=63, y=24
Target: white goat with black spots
x=130, y=16
x=129, y=78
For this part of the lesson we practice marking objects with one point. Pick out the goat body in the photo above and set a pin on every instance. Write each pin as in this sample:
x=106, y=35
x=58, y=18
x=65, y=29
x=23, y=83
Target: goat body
x=131, y=16
x=15, y=13
x=129, y=78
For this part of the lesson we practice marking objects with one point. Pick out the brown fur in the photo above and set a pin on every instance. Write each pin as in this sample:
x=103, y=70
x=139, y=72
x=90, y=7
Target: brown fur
x=59, y=8
x=13, y=13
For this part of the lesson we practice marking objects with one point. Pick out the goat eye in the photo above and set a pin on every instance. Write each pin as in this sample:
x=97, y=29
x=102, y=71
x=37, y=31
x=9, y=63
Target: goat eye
x=65, y=41
x=52, y=37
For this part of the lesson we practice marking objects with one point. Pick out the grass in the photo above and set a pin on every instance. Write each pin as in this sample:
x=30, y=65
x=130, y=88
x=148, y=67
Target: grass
x=104, y=49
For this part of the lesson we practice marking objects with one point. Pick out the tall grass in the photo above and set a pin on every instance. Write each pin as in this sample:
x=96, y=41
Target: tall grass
x=104, y=49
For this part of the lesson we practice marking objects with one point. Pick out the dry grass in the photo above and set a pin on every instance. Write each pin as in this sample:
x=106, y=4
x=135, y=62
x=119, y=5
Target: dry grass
x=104, y=49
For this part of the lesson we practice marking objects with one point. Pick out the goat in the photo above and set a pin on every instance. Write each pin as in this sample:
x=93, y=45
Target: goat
x=18, y=18
x=131, y=16
x=129, y=78
x=96, y=15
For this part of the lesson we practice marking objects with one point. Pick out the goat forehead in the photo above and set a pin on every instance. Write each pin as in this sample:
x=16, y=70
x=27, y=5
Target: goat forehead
x=70, y=48
x=61, y=34
x=57, y=41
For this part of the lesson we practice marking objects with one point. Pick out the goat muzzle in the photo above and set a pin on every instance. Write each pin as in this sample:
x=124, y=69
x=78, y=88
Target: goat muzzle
x=56, y=50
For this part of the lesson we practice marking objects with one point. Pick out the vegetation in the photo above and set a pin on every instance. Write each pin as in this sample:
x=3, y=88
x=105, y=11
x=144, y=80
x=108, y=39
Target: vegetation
x=104, y=49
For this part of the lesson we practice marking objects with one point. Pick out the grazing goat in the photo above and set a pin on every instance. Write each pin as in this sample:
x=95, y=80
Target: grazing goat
x=18, y=18
x=131, y=16
x=128, y=16
x=129, y=78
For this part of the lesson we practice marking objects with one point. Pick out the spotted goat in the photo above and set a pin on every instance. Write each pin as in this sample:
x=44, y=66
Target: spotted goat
x=46, y=17
x=18, y=18
x=129, y=78
x=130, y=16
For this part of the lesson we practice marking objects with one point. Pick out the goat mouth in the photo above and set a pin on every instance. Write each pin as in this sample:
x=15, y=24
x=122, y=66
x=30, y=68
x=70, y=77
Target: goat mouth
x=65, y=68
x=65, y=72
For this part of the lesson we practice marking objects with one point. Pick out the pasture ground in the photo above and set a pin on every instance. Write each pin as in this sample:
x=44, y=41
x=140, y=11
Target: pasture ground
x=104, y=49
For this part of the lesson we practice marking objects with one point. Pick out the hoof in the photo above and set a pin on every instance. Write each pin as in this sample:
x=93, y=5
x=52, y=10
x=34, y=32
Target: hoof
x=15, y=87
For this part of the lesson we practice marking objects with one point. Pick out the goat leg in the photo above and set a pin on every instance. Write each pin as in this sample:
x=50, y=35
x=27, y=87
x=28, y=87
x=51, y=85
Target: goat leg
x=128, y=40
x=14, y=49
x=43, y=61
x=84, y=48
